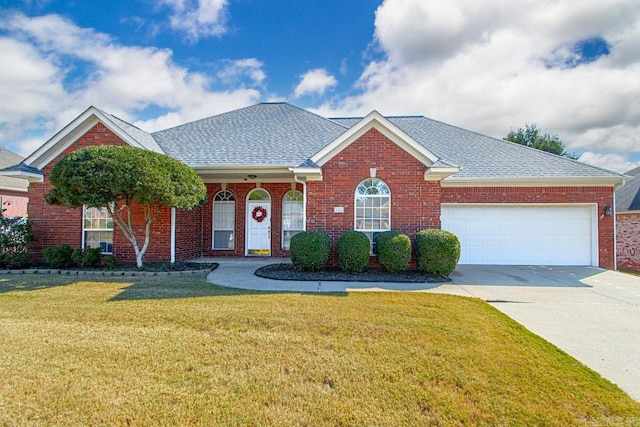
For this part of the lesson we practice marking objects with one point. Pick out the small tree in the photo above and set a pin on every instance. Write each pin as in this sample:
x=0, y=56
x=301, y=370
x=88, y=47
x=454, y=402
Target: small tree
x=533, y=137
x=118, y=177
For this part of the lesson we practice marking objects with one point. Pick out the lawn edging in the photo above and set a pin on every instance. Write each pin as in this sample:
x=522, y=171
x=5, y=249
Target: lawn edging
x=103, y=272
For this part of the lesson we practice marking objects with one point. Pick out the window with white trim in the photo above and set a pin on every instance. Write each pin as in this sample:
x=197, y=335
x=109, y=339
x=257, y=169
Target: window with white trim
x=372, y=207
x=97, y=229
x=224, y=215
x=292, y=216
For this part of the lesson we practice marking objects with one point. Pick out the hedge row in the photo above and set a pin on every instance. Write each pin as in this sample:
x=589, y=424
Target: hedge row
x=437, y=251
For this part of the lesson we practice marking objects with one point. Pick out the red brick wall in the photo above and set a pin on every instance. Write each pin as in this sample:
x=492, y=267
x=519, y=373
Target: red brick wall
x=189, y=234
x=415, y=203
x=601, y=195
x=628, y=241
x=56, y=225
x=14, y=204
x=241, y=191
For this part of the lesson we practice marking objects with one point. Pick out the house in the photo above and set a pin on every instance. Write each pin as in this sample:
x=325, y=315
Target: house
x=273, y=169
x=13, y=191
x=628, y=223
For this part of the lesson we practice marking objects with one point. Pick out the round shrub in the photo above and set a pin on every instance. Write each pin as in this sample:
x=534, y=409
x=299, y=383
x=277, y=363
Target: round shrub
x=394, y=250
x=310, y=249
x=437, y=251
x=353, y=251
x=59, y=256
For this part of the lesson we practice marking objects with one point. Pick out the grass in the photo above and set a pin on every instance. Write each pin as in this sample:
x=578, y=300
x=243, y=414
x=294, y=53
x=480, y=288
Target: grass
x=177, y=351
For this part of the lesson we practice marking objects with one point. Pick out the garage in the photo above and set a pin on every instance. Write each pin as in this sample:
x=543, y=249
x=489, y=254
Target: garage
x=523, y=234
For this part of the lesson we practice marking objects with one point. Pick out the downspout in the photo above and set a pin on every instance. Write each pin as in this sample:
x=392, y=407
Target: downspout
x=304, y=200
x=173, y=235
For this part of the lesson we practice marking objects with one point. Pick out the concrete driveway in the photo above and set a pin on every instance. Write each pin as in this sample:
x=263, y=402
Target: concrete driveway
x=592, y=314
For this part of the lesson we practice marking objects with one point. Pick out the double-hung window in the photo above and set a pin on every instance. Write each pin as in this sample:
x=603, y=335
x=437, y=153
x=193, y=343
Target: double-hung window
x=98, y=229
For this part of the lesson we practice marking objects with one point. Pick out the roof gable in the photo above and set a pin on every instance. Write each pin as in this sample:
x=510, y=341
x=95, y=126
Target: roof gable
x=375, y=120
x=81, y=125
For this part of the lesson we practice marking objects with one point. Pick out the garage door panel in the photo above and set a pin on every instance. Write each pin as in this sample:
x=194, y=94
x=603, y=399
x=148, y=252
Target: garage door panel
x=521, y=235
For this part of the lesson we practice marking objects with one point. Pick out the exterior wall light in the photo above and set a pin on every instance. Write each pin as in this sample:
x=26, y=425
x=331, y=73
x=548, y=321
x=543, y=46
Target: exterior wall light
x=608, y=211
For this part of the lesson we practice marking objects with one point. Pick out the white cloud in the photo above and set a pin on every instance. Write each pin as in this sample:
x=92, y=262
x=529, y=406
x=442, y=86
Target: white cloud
x=614, y=162
x=481, y=65
x=198, y=18
x=233, y=71
x=315, y=81
x=39, y=76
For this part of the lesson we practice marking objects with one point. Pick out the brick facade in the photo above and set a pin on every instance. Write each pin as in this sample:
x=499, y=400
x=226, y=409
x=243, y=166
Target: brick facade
x=57, y=225
x=628, y=240
x=415, y=204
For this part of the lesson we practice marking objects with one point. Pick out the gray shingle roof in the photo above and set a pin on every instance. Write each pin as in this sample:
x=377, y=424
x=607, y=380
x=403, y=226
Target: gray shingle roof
x=143, y=138
x=628, y=198
x=280, y=134
x=484, y=157
x=276, y=134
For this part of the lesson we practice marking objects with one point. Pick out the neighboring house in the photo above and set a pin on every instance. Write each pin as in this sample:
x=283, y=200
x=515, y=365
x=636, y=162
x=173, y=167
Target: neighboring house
x=13, y=191
x=273, y=169
x=628, y=223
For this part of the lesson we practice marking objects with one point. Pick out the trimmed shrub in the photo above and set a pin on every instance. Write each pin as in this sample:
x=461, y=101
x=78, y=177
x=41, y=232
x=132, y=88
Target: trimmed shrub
x=310, y=249
x=59, y=256
x=353, y=251
x=394, y=250
x=437, y=251
x=109, y=261
x=90, y=257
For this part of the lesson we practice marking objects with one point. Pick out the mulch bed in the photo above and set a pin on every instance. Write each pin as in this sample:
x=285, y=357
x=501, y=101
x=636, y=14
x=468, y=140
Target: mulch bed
x=290, y=272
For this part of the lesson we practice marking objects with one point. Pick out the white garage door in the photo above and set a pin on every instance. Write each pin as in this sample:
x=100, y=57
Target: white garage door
x=523, y=235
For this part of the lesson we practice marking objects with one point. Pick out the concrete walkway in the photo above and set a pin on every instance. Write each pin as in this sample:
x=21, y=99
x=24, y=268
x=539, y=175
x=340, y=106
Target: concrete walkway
x=590, y=313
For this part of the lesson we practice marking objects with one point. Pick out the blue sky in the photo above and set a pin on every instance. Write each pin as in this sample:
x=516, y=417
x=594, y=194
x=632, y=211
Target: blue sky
x=570, y=67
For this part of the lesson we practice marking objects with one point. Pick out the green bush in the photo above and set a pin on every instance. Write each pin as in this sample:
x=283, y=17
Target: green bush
x=90, y=257
x=394, y=250
x=353, y=251
x=59, y=256
x=15, y=235
x=437, y=251
x=109, y=261
x=310, y=249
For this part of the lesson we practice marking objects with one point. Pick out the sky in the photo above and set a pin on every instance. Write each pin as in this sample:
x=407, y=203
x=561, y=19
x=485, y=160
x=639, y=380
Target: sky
x=571, y=68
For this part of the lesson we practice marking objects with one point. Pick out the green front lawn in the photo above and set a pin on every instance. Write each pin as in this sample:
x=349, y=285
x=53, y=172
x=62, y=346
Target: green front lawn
x=177, y=351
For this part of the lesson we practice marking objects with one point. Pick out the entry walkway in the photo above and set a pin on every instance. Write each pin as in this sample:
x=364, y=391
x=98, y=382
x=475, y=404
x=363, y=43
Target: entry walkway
x=590, y=313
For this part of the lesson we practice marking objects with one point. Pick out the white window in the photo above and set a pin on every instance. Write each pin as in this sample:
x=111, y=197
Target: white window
x=373, y=208
x=97, y=229
x=224, y=215
x=292, y=216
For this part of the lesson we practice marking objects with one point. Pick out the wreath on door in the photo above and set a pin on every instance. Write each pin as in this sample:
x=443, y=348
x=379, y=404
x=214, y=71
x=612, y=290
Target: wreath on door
x=259, y=213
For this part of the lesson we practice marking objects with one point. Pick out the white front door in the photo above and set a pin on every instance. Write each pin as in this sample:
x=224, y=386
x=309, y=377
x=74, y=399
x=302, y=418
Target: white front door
x=259, y=224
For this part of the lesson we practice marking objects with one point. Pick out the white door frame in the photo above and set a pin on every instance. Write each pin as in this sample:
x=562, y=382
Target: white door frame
x=266, y=224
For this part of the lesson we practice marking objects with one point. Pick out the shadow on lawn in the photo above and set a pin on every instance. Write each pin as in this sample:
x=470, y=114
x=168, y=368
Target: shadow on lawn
x=33, y=282
x=149, y=289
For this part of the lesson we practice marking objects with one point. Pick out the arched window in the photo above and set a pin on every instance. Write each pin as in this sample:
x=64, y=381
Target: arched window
x=224, y=216
x=292, y=216
x=372, y=207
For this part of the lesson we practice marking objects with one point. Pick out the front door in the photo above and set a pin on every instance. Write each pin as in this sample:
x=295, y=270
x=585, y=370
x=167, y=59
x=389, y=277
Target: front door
x=259, y=223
